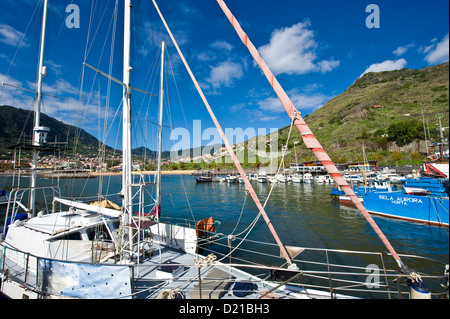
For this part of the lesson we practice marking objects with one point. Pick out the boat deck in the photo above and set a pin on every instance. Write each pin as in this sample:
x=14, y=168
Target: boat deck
x=170, y=273
x=167, y=274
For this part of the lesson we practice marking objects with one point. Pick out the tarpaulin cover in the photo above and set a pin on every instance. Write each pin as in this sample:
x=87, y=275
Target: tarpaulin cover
x=83, y=280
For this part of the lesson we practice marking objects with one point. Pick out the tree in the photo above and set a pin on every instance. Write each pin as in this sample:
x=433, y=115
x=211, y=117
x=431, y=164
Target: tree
x=403, y=133
x=396, y=156
x=416, y=156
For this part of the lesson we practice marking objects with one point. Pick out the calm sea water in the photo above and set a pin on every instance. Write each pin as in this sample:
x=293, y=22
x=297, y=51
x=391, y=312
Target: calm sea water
x=303, y=215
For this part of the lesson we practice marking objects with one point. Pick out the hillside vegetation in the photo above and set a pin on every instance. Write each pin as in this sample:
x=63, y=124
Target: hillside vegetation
x=18, y=125
x=383, y=112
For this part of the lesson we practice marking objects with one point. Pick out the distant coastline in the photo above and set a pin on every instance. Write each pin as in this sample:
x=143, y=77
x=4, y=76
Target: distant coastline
x=175, y=172
x=186, y=172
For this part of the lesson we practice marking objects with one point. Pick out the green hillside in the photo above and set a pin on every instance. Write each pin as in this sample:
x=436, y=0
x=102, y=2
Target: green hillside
x=19, y=125
x=373, y=110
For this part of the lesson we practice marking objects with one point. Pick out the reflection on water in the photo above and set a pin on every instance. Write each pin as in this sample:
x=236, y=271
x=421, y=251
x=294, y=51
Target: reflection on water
x=302, y=214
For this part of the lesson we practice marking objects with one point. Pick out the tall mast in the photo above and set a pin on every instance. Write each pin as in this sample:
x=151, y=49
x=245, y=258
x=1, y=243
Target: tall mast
x=160, y=125
x=37, y=111
x=248, y=186
x=308, y=138
x=126, y=137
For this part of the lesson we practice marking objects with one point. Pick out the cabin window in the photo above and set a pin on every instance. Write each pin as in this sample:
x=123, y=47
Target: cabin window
x=99, y=232
x=73, y=236
x=68, y=236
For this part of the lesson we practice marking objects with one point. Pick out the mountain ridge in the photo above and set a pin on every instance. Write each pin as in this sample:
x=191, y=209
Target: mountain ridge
x=367, y=112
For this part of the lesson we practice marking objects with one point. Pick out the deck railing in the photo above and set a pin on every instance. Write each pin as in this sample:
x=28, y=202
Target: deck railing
x=324, y=273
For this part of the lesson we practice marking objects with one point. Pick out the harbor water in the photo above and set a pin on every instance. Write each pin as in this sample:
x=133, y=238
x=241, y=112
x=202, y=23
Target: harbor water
x=303, y=215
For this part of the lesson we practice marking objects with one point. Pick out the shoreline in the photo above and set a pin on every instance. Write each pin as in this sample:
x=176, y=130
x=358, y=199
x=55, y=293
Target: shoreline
x=187, y=172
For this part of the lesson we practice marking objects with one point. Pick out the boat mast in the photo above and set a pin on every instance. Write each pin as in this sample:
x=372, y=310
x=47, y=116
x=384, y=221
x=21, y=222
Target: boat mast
x=161, y=94
x=37, y=112
x=308, y=137
x=126, y=129
x=248, y=186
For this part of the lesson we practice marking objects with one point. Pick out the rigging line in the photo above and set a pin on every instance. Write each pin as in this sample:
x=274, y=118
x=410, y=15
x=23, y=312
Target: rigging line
x=138, y=116
x=267, y=198
x=245, y=238
x=96, y=31
x=150, y=75
x=59, y=32
x=15, y=55
x=86, y=53
x=172, y=125
x=252, y=225
x=22, y=39
x=81, y=118
x=248, y=186
x=307, y=136
x=177, y=90
x=240, y=215
x=168, y=109
x=282, y=161
x=111, y=62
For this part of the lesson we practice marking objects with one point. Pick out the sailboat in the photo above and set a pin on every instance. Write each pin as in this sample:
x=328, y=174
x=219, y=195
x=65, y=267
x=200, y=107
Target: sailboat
x=101, y=250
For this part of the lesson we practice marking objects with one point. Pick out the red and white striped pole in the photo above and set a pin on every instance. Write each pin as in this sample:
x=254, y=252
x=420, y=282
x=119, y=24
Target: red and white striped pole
x=308, y=137
x=248, y=185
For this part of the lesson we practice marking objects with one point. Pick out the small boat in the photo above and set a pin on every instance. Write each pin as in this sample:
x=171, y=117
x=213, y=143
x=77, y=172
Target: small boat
x=308, y=178
x=281, y=178
x=296, y=178
x=415, y=191
x=323, y=179
x=395, y=178
x=328, y=179
x=231, y=179
x=262, y=178
x=204, y=178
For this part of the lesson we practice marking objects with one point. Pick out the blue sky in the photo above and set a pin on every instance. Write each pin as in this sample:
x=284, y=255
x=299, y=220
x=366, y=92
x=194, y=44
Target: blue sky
x=315, y=48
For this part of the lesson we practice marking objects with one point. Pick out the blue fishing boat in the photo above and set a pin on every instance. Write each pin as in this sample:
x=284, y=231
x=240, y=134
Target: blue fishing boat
x=338, y=194
x=423, y=200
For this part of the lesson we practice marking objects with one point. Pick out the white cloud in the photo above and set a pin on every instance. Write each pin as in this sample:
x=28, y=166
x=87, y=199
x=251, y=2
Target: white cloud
x=292, y=50
x=222, y=45
x=218, y=50
x=225, y=73
x=68, y=110
x=438, y=52
x=10, y=36
x=387, y=65
x=260, y=116
x=402, y=49
x=301, y=101
x=328, y=65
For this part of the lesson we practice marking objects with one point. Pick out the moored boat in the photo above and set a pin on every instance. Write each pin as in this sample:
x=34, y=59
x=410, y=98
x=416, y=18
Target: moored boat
x=428, y=204
x=204, y=178
x=90, y=251
x=262, y=178
x=296, y=178
x=308, y=178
